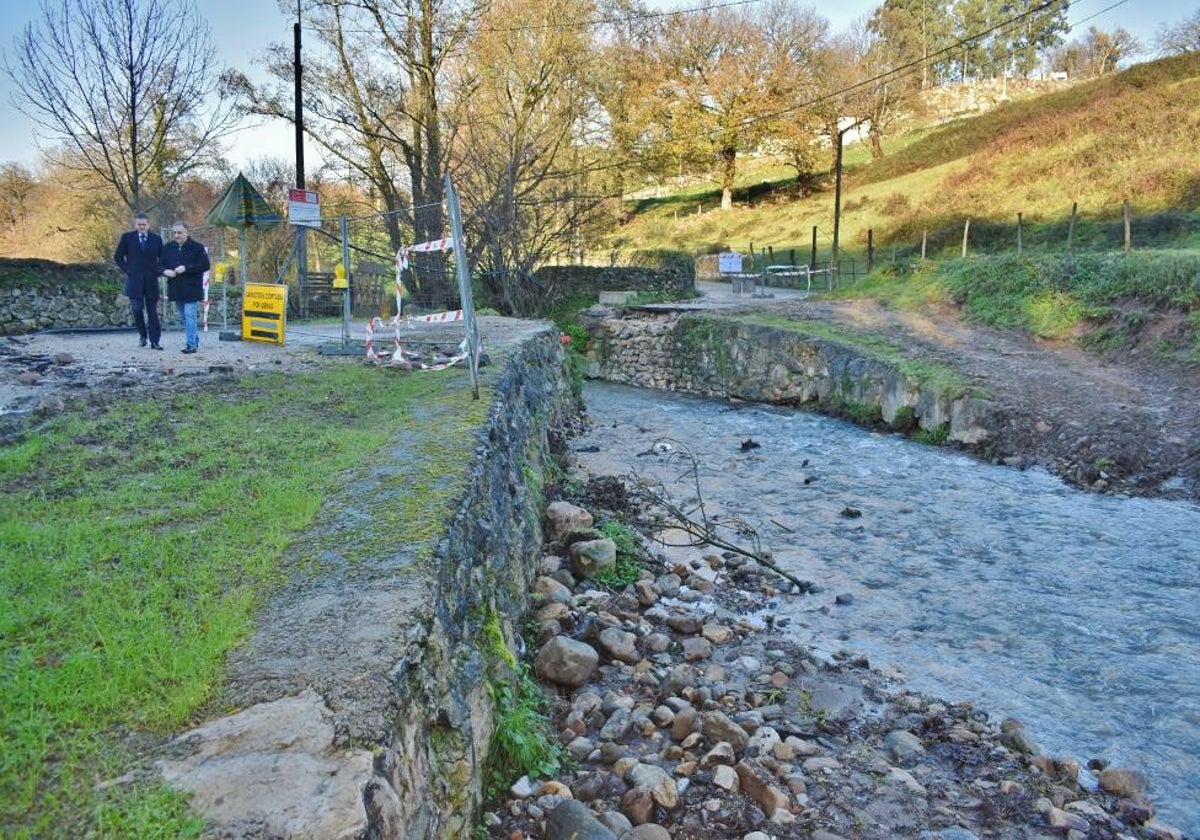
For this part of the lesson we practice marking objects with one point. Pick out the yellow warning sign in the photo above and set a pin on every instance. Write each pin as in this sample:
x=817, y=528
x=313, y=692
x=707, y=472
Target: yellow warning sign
x=263, y=309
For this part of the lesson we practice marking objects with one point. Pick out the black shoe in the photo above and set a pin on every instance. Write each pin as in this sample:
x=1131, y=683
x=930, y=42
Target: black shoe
x=188, y=350
x=154, y=346
x=142, y=342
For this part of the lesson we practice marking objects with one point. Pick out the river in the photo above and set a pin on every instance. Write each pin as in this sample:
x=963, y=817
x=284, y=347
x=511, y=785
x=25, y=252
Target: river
x=1077, y=613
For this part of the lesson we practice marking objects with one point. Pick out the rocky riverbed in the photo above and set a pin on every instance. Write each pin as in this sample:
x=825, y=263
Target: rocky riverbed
x=686, y=716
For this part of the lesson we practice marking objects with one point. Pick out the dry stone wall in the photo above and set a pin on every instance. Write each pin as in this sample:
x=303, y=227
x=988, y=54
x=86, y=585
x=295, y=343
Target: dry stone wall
x=25, y=309
x=43, y=295
x=676, y=278
x=723, y=357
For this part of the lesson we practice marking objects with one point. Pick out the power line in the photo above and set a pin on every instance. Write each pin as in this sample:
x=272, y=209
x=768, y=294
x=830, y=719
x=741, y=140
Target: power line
x=893, y=74
x=583, y=24
x=619, y=19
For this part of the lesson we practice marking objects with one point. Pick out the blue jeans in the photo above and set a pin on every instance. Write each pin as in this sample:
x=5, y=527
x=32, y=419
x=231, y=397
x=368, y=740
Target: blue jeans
x=187, y=311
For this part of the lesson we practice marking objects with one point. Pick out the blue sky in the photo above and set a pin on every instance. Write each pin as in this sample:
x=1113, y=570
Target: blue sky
x=242, y=29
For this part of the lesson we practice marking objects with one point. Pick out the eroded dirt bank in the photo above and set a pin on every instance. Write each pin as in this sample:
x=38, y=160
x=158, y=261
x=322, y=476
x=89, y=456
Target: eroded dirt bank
x=1124, y=423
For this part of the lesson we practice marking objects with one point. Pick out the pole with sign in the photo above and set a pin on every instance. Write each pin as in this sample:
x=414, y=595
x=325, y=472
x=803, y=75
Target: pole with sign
x=304, y=208
x=304, y=211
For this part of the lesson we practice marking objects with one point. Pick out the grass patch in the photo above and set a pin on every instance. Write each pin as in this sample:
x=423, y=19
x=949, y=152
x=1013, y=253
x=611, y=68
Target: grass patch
x=628, y=569
x=523, y=743
x=862, y=414
x=933, y=437
x=138, y=539
x=1048, y=296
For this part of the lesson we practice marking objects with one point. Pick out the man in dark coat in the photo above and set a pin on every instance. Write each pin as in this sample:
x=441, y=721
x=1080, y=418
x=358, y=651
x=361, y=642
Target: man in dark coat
x=138, y=254
x=184, y=262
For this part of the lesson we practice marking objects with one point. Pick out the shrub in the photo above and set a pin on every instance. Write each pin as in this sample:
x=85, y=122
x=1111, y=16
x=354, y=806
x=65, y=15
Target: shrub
x=628, y=568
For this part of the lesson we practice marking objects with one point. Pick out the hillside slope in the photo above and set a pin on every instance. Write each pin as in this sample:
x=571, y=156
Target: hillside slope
x=1128, y=136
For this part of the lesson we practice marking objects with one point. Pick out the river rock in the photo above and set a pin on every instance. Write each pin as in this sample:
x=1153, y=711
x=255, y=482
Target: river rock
x=565, y=661
x=1122, y=781
x=591, y=557
x=564, y=518
x=571, y=820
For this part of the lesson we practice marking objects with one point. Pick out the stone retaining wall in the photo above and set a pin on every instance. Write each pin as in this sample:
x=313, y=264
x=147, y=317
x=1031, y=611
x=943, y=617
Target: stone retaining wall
x=29, y=308
x=674, y=277
x=724, y=357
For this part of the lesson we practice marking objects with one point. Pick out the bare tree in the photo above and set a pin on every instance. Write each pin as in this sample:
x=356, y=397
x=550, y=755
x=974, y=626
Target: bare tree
x=527, y=143
x=1095, y=53
x=17, y=185
x=883, y=91
x=129, y=88
x=1182, y=37
x=1105, y=50
x=372, y=100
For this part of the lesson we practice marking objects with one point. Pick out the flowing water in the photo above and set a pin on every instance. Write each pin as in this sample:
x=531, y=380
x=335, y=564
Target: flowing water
x=1077, y=613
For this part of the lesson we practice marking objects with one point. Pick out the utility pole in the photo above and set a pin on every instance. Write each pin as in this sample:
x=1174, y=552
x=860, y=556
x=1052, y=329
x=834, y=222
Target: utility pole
x=301, y=230
x=837, y=198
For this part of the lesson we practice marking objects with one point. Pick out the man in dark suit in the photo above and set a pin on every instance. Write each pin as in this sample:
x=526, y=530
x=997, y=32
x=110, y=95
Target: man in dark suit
x=137, y=256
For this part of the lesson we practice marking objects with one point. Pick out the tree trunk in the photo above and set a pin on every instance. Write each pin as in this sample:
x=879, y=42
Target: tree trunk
x=876, y=142
x=729, y=159
x=831, y=127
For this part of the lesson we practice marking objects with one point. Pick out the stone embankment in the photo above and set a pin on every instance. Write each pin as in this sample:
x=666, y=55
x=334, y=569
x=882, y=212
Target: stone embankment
x=685, y=717
x=43, y=295
x=25, y=309
x=362, y=694
x=724, y=357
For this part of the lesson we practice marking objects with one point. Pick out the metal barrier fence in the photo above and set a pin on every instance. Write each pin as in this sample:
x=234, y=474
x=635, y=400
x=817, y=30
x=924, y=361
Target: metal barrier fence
x=808, y=281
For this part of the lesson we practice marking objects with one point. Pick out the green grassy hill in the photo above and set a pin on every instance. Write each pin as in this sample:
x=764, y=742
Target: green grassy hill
x=1130, y=136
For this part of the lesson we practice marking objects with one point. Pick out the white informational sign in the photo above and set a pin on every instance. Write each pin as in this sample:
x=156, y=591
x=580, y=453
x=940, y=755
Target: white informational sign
x=304, y=208
x=729, y=263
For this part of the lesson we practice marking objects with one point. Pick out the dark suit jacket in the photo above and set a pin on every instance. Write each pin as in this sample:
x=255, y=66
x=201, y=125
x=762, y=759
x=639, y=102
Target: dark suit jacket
x=189, y=286
x=140, y=265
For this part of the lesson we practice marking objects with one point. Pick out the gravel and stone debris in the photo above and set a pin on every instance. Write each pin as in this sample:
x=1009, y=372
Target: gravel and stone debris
x=685, y=716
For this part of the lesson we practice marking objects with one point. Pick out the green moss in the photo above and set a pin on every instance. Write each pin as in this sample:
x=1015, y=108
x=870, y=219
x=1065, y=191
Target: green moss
x=522, y=743
x=703, y=343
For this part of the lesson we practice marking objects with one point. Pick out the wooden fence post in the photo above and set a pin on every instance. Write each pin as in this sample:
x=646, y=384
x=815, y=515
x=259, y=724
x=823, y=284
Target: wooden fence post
x=1071, y=227
x=870, y=248
x=1128, y=230
x=1018, y=234
x=770, y=255
x=966, y=233
x=924, y=242
x=812, y=260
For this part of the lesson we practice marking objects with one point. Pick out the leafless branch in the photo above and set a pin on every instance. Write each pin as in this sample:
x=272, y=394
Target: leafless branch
x=732, y=534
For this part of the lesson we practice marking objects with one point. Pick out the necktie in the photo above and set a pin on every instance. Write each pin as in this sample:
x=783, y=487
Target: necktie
x=142, y=241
